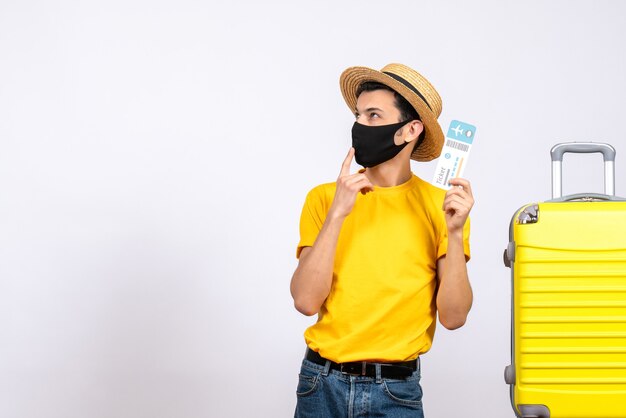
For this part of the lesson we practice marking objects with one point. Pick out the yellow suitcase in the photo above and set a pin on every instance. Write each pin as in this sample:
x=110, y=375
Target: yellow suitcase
x=568, y=268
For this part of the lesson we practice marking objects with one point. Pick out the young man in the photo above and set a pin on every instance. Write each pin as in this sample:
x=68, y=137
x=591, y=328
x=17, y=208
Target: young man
x=381, y=252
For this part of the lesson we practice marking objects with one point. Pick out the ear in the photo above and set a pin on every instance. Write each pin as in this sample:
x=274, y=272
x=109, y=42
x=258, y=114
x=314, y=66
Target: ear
x=414, y=130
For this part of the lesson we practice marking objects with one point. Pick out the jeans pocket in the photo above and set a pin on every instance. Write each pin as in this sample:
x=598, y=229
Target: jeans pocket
x=406, y=392
x=308, y=381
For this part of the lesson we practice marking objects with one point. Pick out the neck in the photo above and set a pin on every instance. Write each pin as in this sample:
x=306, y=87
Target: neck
x=391, y=173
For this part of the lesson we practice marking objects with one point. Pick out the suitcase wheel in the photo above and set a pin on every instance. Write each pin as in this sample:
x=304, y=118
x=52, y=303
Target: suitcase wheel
x=509, y=374
x=534, y=411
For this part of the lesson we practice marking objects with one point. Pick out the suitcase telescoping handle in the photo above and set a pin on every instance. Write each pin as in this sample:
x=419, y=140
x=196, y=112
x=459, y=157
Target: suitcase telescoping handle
x=559, y=150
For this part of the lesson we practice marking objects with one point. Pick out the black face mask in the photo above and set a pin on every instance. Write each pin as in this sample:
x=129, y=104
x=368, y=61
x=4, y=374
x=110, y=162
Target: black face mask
x=374, y=145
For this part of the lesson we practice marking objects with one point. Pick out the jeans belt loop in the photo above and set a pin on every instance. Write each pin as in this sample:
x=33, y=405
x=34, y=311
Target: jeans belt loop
x=379, y=377
x=326, y=368
x=341, y=369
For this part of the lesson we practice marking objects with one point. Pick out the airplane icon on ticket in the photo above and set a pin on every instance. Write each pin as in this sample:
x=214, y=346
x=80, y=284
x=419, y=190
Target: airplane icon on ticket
x=457, y=131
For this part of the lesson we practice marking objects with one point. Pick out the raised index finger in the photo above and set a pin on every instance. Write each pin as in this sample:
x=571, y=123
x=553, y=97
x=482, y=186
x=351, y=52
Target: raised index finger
x=345, y=167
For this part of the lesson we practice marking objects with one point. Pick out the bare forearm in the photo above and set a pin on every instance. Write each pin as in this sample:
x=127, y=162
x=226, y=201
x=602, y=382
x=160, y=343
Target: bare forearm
x=312, y=280
x=454, y=296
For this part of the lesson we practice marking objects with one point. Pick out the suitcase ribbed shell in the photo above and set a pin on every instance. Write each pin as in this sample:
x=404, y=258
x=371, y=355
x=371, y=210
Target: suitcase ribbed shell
x=569, y=313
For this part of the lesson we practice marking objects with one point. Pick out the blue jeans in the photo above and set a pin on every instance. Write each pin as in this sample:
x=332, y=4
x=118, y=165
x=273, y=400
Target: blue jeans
x=324, y=393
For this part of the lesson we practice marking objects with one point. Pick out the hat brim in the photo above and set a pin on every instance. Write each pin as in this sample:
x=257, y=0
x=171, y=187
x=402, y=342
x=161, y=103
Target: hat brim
x=432, y=144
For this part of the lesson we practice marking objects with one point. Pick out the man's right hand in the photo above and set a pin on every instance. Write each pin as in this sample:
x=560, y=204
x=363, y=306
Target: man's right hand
x=348, y=185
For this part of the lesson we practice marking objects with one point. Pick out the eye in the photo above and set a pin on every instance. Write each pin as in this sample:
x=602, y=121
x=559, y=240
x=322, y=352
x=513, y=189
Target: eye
x=356, y=116
x=374, y=115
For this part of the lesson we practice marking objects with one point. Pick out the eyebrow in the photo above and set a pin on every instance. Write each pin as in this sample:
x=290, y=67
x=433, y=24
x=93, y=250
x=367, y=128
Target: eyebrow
x=370, y=109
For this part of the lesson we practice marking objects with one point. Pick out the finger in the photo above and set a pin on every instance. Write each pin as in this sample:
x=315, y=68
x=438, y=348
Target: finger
x=460, y=193
x=457, y=190
x=457, y=203
x=360, y=183
x=458, y=181
x=366, y=187
x=462, y=190
x=345, y=167
x=458, y=198
x=464, y=183
x=353, y=178
x=456, y=210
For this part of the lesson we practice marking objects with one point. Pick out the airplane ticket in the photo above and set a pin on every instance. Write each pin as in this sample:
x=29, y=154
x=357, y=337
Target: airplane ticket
x=455, y=152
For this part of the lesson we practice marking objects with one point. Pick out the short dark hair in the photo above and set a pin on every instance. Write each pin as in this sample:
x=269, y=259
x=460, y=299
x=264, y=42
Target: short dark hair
x=407, y=112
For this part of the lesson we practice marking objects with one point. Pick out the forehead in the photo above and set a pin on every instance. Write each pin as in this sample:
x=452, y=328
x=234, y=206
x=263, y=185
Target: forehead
x=379, y=99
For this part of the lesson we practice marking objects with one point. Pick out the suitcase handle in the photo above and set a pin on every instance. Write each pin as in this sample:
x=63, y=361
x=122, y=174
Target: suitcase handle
x=557, y=152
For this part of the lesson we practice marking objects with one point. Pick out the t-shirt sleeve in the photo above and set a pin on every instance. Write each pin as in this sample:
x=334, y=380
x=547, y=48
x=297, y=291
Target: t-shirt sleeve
x=443, y=242
x=312, y=218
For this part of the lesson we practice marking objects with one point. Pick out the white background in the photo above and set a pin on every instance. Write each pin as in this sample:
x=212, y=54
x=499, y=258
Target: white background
x=155, y=155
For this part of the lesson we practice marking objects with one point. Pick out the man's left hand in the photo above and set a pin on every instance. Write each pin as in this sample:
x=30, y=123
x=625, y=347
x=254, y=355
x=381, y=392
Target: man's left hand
x=458, y=204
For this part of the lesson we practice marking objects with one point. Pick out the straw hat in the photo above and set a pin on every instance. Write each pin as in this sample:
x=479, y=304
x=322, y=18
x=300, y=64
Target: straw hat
x=414, y=88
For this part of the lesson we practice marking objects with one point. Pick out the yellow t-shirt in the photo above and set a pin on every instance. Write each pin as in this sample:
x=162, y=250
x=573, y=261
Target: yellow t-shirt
x=381, y=305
